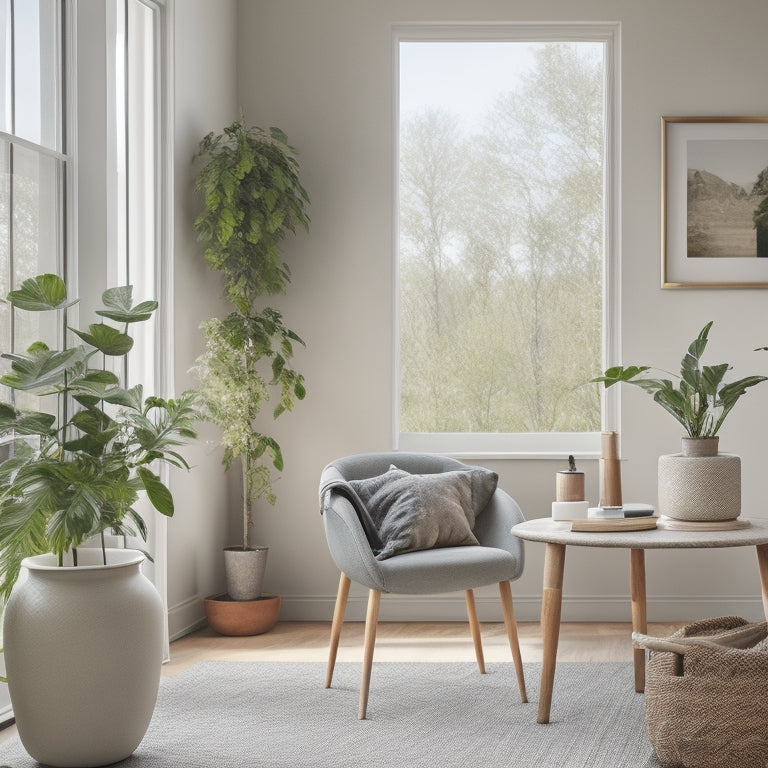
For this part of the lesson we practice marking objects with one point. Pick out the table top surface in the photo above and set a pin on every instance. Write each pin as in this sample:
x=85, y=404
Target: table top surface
x=556, y=532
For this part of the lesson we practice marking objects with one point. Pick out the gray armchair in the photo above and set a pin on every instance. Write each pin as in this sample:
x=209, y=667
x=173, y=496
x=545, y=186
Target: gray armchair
x=499, y=558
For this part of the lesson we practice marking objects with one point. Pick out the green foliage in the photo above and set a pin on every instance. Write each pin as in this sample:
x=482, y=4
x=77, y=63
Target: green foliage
x=699, y=400
x=252, y=199
x=73, y=477
x=760, y=216
x=244, y=358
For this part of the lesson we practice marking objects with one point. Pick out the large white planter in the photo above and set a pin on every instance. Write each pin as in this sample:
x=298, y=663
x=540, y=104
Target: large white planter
x=83, y=649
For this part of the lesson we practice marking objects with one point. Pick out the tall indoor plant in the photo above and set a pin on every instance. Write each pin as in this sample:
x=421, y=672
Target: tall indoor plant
x=252, y=197
x=701, y=484
x=84, y=625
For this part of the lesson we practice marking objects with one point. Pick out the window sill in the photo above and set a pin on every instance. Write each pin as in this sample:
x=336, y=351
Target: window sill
x=472, y=445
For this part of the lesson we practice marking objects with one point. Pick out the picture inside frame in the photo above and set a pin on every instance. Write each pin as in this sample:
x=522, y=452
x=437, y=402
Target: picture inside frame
x=727, y=198
x=715, y=202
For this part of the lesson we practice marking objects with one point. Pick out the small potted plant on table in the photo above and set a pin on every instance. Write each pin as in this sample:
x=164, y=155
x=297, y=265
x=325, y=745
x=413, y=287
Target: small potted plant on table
x=699, y=485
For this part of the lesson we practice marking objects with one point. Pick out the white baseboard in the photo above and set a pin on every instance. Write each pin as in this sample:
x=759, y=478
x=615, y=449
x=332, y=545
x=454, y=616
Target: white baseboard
x=189, y=615
x=527, y=608
x=185, y=617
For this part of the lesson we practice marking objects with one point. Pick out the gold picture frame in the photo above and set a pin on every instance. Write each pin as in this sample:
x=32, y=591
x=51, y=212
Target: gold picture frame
x=714, y=210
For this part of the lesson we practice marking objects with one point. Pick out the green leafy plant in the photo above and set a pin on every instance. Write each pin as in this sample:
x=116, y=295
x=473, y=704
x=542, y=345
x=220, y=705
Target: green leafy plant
x=699, y=398
x=234, y=388
x=77, y=471
x=252, y=199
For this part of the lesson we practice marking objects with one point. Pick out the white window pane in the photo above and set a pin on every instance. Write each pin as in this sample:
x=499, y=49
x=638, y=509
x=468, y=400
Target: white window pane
x=501, y=220
x=142, y=178
x=36, y=231
x=5, y=244
x=37, y=94
x=6, y=70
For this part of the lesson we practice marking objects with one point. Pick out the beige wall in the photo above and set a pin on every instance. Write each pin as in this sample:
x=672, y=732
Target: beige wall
x=322, y=71
x=204, y=99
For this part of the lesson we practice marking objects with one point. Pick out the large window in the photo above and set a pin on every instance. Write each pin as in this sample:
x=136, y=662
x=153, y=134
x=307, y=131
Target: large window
x=505, y=199
x=34, y=178
x=33, y=161
x=138, y=206
x=137, y=212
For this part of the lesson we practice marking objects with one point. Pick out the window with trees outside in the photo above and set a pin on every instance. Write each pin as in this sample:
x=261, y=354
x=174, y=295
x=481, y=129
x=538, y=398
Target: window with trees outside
x=506, y=221
x=33, y=163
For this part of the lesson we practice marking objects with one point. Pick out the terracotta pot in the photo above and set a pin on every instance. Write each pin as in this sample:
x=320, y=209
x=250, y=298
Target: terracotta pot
x=242, y=617
x=83, y=650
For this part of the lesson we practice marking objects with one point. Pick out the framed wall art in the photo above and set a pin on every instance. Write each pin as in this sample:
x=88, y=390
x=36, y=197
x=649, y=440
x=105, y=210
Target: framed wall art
x=714, y=202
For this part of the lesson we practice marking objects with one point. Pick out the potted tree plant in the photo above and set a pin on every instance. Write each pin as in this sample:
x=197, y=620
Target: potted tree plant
x=83, y=625
x=699, y=484
x=252, y=199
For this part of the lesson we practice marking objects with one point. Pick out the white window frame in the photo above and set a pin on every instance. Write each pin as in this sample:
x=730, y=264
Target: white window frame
x=64, y=55
x=119, y=270
x=535, y=445
x=60, y=98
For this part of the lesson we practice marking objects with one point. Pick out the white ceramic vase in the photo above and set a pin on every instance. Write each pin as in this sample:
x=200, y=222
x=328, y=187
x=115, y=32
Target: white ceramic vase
x=83, y=650
x=700, y=484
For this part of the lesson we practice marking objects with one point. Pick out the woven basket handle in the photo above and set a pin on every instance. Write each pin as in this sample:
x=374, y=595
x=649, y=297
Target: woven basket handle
x=744, y=637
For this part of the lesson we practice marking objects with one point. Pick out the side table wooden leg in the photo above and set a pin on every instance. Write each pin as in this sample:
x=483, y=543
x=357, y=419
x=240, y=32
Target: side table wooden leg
x=639, y=614
x=551, y=605
x=762, y=561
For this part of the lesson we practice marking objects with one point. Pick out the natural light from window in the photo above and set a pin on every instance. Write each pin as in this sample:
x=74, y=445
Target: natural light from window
x=502, y=237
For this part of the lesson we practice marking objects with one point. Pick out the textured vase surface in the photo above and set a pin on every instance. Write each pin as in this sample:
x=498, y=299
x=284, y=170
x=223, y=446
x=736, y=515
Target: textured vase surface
x=698, y=487
x=83, y=650
x=244, y=570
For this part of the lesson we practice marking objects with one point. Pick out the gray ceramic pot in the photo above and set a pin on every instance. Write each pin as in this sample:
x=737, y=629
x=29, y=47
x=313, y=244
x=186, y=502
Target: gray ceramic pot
x=245, y=571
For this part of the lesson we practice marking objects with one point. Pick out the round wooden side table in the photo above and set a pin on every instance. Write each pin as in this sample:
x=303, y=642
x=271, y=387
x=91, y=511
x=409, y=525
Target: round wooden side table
x=558, y=535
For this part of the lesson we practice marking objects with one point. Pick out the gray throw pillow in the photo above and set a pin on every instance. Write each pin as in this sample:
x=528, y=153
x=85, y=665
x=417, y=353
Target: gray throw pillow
x=416, y=512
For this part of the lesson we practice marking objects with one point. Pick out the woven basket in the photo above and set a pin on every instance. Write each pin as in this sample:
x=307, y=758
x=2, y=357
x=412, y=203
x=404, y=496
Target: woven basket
x=706, y=694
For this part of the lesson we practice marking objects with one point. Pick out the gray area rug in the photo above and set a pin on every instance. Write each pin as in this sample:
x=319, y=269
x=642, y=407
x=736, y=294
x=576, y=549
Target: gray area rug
x=218, y=714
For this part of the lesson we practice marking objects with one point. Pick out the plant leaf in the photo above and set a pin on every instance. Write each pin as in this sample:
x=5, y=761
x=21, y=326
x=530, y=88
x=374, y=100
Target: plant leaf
x=106, y=339
x=158, y=495
x=42, y=371
x=137, y=314
x=95, y=383
x=618, y=374
x=118, y=303
x=40, y=294
x=25, y=422
x=735, y=389
x=129, y=398
x=689, y=365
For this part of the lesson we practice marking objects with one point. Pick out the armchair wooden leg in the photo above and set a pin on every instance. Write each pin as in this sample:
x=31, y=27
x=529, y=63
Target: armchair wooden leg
x=474, y=625
x=371, y=620
x=514, y=643
x=338, y=621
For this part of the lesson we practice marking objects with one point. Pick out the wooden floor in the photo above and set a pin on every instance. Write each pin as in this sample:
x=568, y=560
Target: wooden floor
x=431, y=641
x=412, y=641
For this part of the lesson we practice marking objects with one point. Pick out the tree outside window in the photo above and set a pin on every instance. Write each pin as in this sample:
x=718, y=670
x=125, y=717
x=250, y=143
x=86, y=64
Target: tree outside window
x=502, y=215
